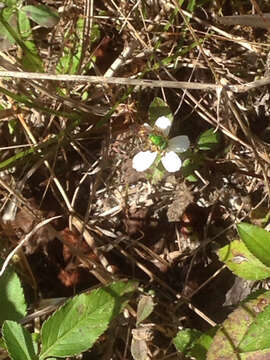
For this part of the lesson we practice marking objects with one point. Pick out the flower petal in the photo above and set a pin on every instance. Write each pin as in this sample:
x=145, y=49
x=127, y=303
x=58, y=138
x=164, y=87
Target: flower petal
x=171, y=161
x=147, y=126
x=143, y=160
x=164, y=124
x=179, y=144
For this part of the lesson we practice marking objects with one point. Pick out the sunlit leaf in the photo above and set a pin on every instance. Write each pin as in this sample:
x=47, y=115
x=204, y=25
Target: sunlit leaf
x=258, y=334
x=209, y=140
x=257, y=241
x=12, y=300
x=18, y=341
x=6, y=39
x=242, y=262
x=42, y=15
x=70, y=61
x=232, y=333
x=77, y=325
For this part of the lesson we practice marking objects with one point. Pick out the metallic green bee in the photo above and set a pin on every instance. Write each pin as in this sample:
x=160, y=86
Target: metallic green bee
x=158, y=140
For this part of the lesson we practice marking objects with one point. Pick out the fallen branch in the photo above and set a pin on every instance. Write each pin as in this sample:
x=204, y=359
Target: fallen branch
x=135, y=82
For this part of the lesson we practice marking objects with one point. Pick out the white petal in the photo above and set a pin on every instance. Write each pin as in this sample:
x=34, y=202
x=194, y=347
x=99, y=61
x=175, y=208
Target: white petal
x=171, y=161
x=143, y=160
x=147, y=126
x=164, y=124
x=179, y=143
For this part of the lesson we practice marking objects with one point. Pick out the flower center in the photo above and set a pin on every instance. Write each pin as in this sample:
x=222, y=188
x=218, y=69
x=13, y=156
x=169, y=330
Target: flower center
x=158, y=140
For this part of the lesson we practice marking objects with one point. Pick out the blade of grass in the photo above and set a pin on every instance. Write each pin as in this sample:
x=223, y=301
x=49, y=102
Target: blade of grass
x=33, y=59
x=72, y=115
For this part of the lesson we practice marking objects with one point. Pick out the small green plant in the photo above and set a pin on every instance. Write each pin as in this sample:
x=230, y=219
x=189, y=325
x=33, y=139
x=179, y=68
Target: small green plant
x=245, y=333
x=13, y=304
x=208, y=142
x=249, y=256
x=15, y=28
x=72, y=329
x=71, y=59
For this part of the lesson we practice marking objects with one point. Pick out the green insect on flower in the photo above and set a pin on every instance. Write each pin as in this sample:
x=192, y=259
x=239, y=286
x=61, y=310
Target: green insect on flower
x=167, y=149
x=158, y=140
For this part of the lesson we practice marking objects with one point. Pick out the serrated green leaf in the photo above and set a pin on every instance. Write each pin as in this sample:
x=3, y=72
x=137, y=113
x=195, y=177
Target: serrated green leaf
x=18, y=341
x=78, y=324
x=13, y=305
x=226, y=342
x=257, y=241
x=185, y=339
x=209, y=140
x=242, y=262
x=158, y=108
x=42, y=15
x=258, y=334
x=145, y=308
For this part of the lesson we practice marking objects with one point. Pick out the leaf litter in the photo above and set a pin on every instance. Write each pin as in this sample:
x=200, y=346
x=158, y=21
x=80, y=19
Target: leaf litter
x=165, y=235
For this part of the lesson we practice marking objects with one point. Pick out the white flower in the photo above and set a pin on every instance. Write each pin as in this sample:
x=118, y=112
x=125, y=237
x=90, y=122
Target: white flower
x=170, y=160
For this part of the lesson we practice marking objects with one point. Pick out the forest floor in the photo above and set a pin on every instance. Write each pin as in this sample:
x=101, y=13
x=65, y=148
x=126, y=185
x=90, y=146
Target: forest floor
x=67, y=150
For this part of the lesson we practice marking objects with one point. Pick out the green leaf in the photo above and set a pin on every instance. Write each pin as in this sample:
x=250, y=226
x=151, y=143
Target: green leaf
x=6, y=39
x=242, y=262
x=157, y=172
x=158, y=108
x=42, y=15
x=2, y=344
x=191, y=5
x=202, y=345
x=12, y=3
x=78, y=324
x=13, y=305
x=69, y=63
x=185, y=339
x=145, y=308
x=193, y=162
x=192, y=178
x=256, y=355
x=18, y=341
x=95, y=33
x=257, y=241
x=193, y=343
x=209, y=140
x=31, y=60
x=233, y=331
x=258, y=335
